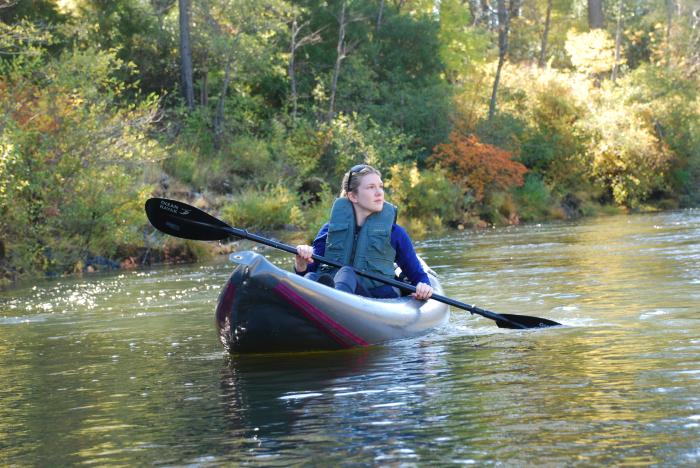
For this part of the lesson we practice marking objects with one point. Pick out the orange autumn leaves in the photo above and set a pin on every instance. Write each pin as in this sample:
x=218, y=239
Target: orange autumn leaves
x=476, y=166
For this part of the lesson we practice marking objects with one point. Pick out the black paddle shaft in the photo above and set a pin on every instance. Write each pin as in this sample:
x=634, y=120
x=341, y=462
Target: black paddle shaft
x=184, y=221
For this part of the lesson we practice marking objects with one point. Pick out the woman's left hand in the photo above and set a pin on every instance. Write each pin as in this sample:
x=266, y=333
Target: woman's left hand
x=423, y=292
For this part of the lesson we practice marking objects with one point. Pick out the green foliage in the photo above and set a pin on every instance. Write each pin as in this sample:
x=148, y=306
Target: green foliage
x=139, y=32
x=23, y=39
x=426, y=199
x=503, y=130
x=77, y=116
x=628, y=159
x=353, y=139
x=462, y=48
x=244, y=161
x=392, y=73
x=671, y=106
x=421, y=111
x=499, y=209
x=318, y=213
x=304, y=146
x=541, y=112
x=241, y=39
x=183, y=164
x=554, y=144
x=534, y=198
x=267, y=209
x=591, y=52
x=62, y=198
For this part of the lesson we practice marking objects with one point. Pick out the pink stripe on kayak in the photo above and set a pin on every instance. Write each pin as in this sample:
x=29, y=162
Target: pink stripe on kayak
x=330, y=326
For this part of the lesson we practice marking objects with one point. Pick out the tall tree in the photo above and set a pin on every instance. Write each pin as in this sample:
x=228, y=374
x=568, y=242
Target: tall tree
x=505, y=11
x=596, y=20
x=342, y=51
x=379, y=15
x=186, y=54
x=618, y=40
x=297, y=43
x=545, y=35
x=240, y=41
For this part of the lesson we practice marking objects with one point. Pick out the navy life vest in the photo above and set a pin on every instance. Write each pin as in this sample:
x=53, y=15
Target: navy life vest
x=367, y=250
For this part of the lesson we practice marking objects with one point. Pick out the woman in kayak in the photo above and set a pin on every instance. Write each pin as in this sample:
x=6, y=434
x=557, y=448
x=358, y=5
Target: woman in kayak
x=362, y=232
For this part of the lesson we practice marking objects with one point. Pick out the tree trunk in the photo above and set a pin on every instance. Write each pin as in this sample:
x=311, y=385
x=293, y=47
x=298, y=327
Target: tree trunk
x=186, y=54
x=296, y=44
x=596, y=20
x=290, y=69
x=545, y=35
x=503, y=23
x=488, y=15
x=670, y=6
x=340, y=56
x=618, y=40
x=219, y=115
x=475, y=11
x=379, y=15
x=693, y=50
x=494, y=92
x=204, y=92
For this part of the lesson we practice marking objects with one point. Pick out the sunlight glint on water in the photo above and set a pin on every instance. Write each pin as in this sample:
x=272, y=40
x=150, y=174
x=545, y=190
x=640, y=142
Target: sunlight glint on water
x=127, y=368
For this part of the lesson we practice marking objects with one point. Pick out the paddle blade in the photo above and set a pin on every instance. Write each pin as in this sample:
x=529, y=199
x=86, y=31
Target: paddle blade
x=185, y=221
x=525, y=321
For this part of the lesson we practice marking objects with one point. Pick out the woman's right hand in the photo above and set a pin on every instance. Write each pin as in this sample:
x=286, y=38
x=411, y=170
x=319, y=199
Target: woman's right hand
x=303, y=257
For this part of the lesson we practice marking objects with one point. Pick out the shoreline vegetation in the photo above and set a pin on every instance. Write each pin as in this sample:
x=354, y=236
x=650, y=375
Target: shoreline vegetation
x=253, y=110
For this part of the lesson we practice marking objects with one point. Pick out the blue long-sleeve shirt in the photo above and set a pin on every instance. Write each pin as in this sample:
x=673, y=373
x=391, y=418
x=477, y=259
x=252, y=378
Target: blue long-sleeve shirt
x=406, y=257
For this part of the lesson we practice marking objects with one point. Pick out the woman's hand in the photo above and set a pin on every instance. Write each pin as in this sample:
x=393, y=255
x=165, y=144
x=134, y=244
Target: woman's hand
x=303, y=257
x=423, y=292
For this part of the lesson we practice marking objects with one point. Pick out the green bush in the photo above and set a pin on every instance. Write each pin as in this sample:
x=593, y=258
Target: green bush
x=354, y=139
x=671, y=105
x=499, y=209
x=503, y=130
x=183, y=164
x=315, y=215
x=303, y=145
x=426, y=199
x=245, y=162
x=195, y=132
x=539, y=120
x=628, y=159
x=267, y=209
x=533, y=198
x=71, y=171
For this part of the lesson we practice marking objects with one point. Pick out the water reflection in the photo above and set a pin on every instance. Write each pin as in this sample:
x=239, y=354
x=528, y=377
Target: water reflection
x=347, y=402
x=127, y=369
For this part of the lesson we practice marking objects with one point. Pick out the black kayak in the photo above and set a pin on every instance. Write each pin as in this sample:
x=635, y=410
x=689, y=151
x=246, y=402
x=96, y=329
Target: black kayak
x=263, y=308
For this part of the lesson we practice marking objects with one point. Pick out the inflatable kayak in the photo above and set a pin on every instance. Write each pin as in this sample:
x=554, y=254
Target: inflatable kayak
x=263, y=308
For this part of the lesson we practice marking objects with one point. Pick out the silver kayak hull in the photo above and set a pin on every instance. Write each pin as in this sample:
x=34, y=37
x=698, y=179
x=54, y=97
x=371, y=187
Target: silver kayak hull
x=263, y=308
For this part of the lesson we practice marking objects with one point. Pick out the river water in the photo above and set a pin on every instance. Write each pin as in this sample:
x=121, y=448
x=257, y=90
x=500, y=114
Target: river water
x=126, y=369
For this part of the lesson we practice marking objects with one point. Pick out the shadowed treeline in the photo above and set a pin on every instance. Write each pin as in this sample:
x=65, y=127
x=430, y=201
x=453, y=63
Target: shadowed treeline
x=476, y=114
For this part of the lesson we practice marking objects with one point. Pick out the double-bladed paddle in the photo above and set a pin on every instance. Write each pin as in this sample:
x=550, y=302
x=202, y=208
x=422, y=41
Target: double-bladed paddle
x=187, y=222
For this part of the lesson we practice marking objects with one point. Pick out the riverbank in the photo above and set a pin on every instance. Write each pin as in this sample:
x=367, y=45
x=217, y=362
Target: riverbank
x=159, y=249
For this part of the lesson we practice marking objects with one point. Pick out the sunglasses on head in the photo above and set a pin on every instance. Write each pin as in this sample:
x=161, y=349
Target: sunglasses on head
x=354, y=170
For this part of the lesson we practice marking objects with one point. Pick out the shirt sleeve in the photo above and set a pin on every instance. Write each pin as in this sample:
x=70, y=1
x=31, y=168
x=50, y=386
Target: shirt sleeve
x=406, y=257
x=319, y=247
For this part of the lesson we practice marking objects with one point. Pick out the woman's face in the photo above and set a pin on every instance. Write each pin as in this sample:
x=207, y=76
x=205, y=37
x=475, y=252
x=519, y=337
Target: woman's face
x=370, y=194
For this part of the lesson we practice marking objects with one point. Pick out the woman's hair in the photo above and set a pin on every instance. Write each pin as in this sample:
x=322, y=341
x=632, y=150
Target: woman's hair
x=352, y=178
